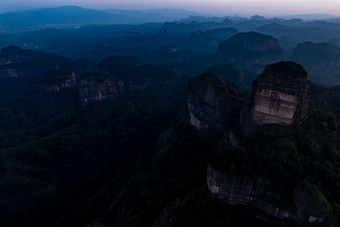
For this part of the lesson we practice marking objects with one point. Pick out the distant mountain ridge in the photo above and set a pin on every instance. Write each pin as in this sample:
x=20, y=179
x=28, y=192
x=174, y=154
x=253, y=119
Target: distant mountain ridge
x=69, y=16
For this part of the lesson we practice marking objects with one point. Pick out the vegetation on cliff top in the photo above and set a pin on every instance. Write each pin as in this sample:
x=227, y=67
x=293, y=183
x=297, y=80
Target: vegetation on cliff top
x=287, y=70
x=288, y=155
x=198, y=84
x=56, y=76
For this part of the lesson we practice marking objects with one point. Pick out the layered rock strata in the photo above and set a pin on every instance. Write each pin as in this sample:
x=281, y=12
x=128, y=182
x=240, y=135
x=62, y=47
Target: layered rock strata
x=213, y=102
x=125, y=76
x=55, y=80
x=244, y=191
x=99, y=86
x=279, y=96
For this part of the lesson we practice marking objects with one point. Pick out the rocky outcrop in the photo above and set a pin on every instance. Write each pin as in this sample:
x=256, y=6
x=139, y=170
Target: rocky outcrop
x=99, y=86
x=311, y=204
x=252, y=50
x=15, y=55
x=322, y=61
x=124, y=76
x=17, y=62
x=55, y=80
x=279, y=96
x=213, y=102
x=244, y=191
x=26, y=69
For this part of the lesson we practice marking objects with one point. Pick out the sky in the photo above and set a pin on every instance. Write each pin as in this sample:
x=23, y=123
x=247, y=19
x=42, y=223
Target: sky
x=211, y=7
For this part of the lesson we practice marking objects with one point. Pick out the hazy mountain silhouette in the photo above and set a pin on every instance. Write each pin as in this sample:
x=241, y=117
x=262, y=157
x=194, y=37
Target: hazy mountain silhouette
x=68, y=16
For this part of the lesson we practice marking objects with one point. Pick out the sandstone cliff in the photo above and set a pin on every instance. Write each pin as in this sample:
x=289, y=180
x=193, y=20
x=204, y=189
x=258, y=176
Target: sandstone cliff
x=279, y=96
x=124, y=76
x=99, y=86
x=56, y=80
x=252, y=50
x=244, y=191
x=213, y=102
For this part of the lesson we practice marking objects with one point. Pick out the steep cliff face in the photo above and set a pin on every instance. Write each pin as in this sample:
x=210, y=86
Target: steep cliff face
x=99, y=86
x=244, y=191
x=55, y=80
x=126, y=75
x=213, y=102
x=251, y=49
x=279, y=96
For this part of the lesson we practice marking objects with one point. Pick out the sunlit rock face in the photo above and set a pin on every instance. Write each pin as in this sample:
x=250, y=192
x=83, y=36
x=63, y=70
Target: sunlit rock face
x=252, y=50
x=213, y=102
x=55, y=80
x=279, y=96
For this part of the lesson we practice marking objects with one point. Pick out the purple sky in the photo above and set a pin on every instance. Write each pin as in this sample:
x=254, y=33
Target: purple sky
x=217, y=7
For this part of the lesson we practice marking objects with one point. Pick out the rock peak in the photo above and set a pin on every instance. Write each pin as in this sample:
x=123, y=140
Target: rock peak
x=251, y=50
x=279, y=96
x=213, y=102
x=284, y=70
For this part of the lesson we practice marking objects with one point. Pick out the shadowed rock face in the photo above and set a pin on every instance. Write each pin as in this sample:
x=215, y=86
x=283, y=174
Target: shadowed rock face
x=99, y=86
x=322, y=61
x=244, y=191
x=15, y=55
x=251, y=49
x=17, y=62
x=279, y=96
x=56, y=80
x=125, y=76
x=213, y=102
x=311, y=205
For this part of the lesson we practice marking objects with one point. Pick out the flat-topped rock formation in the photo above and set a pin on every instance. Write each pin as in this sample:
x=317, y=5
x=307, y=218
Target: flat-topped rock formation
x=252, y=50
x=213, y=102
x=321, y=60
x=279, y=96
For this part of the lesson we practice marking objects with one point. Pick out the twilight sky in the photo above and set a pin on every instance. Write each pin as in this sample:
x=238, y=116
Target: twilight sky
x=217, y=7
